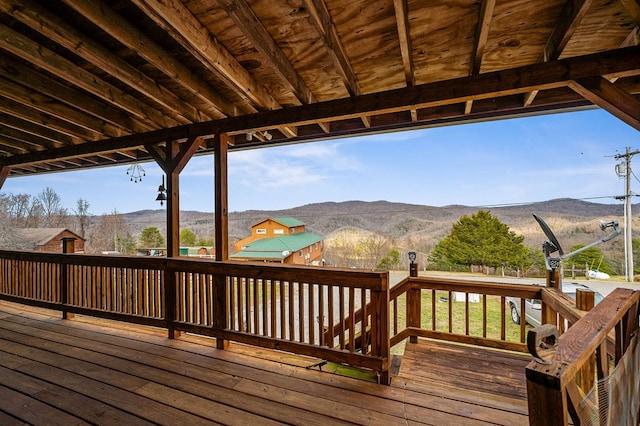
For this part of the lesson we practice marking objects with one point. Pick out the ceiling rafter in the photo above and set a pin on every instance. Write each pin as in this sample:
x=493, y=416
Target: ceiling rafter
x=31, y=115
x=34, y=53
x=485, y=17
x=329, y=35
x=49, y=25
x=402, y=22
x=101, y=15
x=515, y=81
x=34, y=100
x=633, y=8
x=176, y=19
x=566, y=25
x=327, y=31
x=28, y=77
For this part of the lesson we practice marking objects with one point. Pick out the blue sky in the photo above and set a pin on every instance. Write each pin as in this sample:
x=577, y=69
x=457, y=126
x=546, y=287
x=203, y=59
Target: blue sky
x=483, y=164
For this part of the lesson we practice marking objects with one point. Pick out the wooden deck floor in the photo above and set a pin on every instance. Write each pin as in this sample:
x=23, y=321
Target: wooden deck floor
x=87, y=371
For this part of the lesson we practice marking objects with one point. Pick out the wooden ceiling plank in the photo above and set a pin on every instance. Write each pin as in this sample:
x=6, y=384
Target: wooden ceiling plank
x=54, y=28
x=327, y=31
x=101, y=15
x=36, y=101
x=610, y=98
x=404, y=37
x=514, y=81
x=41, y=83
x=44, y=58
x=482, y=35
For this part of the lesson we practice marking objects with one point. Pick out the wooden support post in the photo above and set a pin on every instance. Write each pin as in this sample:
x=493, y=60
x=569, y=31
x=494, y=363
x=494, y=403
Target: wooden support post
x=4, y=174
x=221, y=233
x=221, y=197
x=413, y=304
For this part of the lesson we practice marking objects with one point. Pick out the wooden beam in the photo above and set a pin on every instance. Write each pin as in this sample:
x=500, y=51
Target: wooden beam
x=404, y=36
x=184, y=154
x=177, y=20
x=633, y=8
x=482, y=34
x=100, y=14
x=515, y=81
x=608, y=97
x=327, y=31
x=221, y=189
x=566, y=25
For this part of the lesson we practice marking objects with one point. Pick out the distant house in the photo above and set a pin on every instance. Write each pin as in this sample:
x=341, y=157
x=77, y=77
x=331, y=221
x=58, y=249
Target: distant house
x=47, y=239
x=282, y=240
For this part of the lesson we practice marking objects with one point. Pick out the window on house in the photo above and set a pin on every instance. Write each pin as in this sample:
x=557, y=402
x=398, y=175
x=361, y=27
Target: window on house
x=261, y=231
x=292, y=230
x=278, y=231
x=300, y=253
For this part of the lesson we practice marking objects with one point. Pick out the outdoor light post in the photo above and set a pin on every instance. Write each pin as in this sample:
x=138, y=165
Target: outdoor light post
x=413, y=266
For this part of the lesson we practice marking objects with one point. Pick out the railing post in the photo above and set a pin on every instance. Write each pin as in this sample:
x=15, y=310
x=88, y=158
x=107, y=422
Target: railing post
x=546, y=398
x=170, y=302
x=380, y=343
x=413, y=304
x=585, y=301
x=67, y=247
x=221, y=301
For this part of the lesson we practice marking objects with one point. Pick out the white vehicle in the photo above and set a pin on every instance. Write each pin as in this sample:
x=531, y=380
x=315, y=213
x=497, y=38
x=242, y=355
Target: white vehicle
x=533, y=307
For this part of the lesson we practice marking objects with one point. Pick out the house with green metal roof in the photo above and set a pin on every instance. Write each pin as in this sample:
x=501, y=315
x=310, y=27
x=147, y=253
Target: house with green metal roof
x=282, y=240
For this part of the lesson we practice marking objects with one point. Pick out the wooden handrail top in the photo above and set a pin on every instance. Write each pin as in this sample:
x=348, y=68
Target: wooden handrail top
x=359, y=279
x=581, y=340
x=562, y=304
x=525, y=291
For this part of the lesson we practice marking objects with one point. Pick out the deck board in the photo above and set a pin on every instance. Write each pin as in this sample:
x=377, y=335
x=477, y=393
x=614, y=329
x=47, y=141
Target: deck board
x=87, y=370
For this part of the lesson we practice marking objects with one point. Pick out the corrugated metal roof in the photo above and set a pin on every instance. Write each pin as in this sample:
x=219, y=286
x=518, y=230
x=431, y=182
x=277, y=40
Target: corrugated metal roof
x=286, y=221
x=275, y=248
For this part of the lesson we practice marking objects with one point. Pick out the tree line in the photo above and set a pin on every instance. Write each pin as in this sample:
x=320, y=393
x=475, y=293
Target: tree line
x=476, y=243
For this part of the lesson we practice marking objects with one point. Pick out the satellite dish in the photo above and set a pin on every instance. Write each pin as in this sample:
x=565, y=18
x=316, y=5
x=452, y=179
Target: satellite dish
x=552, y=238
x=286, y=253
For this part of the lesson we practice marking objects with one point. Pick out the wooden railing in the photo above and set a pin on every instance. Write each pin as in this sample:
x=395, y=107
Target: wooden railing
x=290, y=308
x=605, y=335
x=427, y=307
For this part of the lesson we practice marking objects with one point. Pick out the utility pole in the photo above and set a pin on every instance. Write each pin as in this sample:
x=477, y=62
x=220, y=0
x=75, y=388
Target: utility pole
x=628, y=247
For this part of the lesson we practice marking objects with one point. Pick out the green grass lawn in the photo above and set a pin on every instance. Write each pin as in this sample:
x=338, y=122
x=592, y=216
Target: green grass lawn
x=494, y=309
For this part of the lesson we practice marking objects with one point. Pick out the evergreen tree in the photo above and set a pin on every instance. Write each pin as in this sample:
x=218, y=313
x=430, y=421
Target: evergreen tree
x=187, y=237
x=481, y=240
x=151, y=238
